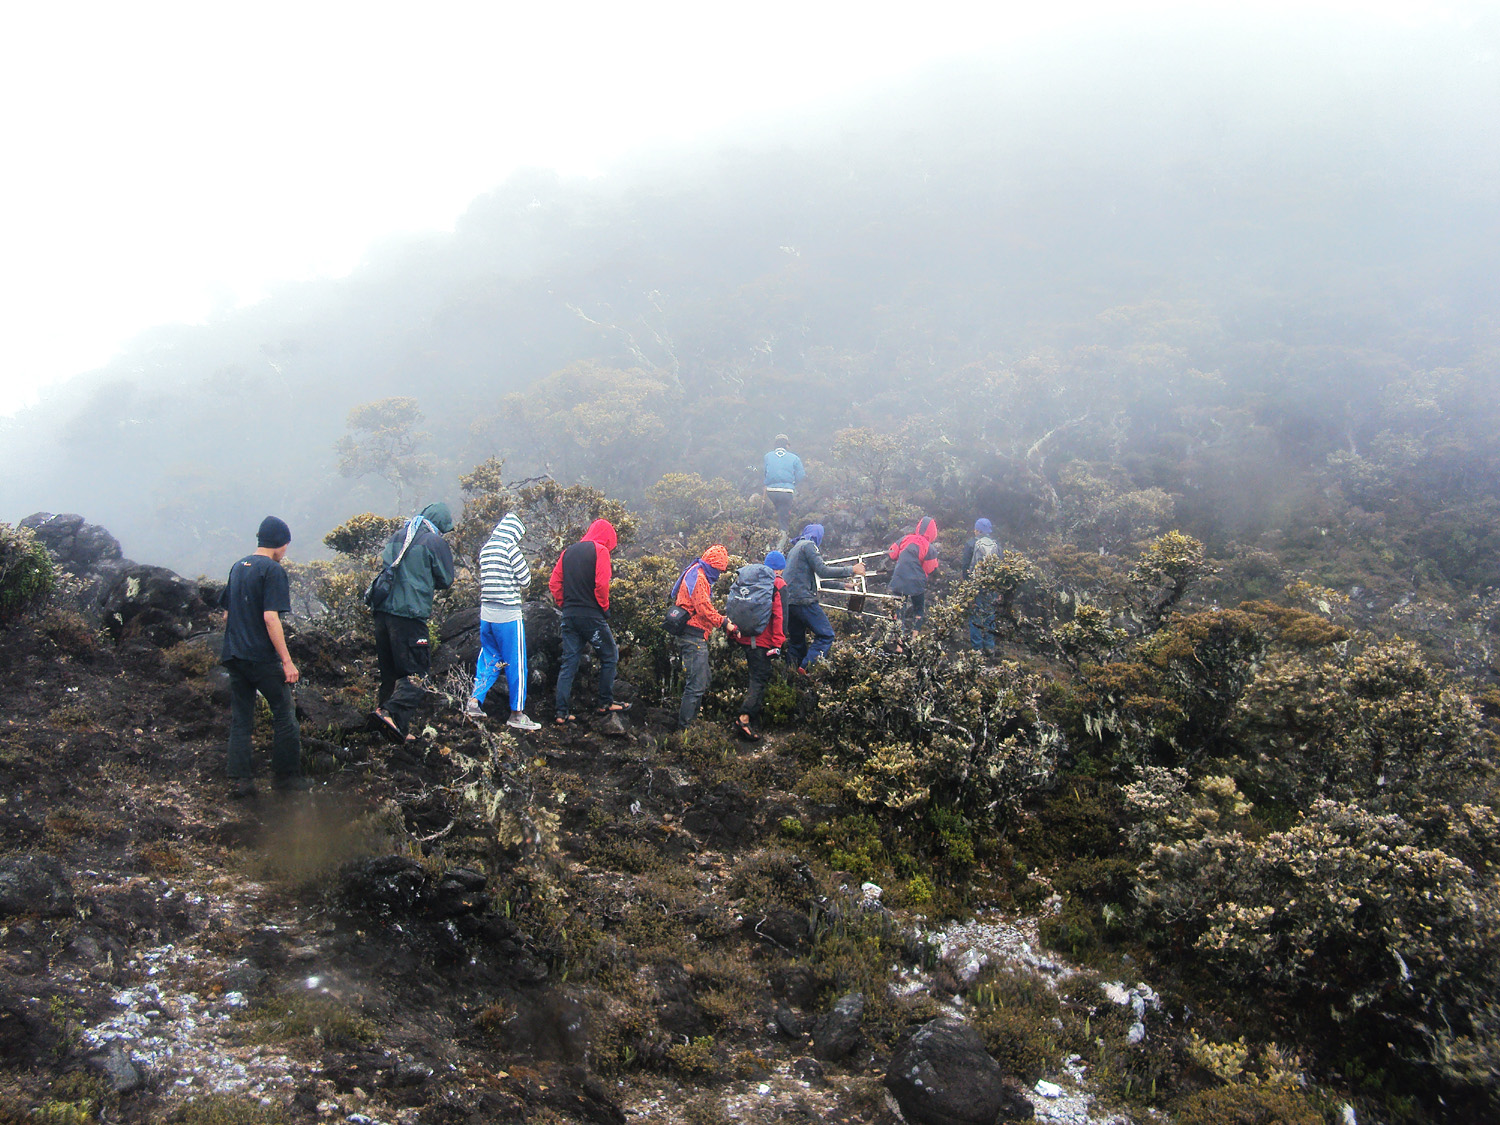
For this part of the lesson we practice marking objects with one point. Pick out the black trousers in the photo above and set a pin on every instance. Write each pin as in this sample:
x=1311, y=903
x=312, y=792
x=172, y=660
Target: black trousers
x=760, y=676
x=405, y=655
x=246, y=677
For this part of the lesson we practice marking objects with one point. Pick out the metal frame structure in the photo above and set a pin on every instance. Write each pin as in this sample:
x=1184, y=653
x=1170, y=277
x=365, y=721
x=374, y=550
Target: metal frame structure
x=857, y=589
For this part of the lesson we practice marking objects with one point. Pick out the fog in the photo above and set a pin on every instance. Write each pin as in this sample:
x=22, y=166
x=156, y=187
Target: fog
x=1181, y=230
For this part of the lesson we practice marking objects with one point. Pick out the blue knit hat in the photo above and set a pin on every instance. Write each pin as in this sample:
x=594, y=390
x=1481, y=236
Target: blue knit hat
x=776, y=560
x=983, y=527
x=273, y=533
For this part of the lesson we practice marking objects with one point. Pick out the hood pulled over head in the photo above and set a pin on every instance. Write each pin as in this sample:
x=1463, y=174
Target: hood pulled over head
x=439, y=516
x=510, y=529
x=601, y=532
x=927, y=528
x=813, y=531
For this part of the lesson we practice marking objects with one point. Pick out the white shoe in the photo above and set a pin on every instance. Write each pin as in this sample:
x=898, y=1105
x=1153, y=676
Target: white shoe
x=522, y=722
x=473, y=709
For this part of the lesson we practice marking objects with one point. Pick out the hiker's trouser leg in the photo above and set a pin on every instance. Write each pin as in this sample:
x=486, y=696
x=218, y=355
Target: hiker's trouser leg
x=385, y=659
x=411, y=657
x=795, y=648
x=487, y=670
x=913, y=610
x=982, y=629
x=760, y=675
x=241, y=719
x=513, y=652
x=608, y=652
x=286, y=739
x=692, y=646
x=782, y=502
x=822, y=633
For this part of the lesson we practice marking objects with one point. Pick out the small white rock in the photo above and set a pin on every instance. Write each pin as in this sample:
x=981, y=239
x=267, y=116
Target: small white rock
x=1046, y=1089
x=1136, y=1033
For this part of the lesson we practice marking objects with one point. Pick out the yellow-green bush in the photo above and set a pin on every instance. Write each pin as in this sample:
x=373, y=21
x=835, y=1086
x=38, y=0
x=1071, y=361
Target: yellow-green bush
x=27, y=575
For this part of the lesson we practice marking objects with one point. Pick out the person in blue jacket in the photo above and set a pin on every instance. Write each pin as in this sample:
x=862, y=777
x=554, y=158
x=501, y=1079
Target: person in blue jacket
x=784, y=472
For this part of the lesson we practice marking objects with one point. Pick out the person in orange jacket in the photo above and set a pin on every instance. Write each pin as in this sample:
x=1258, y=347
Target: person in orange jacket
x=693, y=591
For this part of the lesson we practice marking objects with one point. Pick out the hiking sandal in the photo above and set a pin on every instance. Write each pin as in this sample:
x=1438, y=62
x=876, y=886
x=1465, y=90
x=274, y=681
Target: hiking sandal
x=614, y=709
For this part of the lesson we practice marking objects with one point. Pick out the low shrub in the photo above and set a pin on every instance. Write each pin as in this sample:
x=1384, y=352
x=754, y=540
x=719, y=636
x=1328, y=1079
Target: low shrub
x=27, y=575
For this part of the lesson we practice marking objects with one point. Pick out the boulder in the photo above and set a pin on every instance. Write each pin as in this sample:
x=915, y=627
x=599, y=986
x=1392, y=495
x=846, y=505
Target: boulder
x=942, y=1075
x=835, y=1034
x=122, y=1072
x=77, y=546
x=34, y=884
x=153, y=603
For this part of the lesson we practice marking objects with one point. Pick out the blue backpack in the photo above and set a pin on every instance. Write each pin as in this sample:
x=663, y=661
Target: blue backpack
x=749, y=605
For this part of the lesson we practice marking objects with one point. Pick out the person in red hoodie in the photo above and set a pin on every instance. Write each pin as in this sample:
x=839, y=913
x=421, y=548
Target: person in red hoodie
x=580, y=586
x=916, y=557
x=759, y=650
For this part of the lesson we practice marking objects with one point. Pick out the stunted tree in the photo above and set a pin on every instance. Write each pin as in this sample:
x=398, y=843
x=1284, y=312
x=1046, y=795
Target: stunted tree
x=383, y=441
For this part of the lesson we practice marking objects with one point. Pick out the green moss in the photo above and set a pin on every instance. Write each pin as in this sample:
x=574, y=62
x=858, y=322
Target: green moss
x=695, y=1060
x=1247, y=1105
x=296, y=1017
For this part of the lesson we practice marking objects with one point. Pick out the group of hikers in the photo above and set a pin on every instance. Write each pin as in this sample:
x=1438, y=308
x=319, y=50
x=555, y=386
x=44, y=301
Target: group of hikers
x=772, y=611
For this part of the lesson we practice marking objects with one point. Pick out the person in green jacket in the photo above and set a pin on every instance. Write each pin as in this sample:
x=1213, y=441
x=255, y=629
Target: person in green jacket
x=402, y=647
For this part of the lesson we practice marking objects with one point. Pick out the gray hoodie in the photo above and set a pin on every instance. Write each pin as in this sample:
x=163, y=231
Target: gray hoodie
x=804, y=564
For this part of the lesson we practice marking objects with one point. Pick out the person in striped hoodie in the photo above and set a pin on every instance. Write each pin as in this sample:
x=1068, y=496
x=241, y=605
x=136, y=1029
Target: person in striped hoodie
x=503, y=579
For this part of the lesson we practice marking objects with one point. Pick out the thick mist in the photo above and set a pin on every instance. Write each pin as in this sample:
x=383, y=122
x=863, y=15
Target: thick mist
x=1176, y=232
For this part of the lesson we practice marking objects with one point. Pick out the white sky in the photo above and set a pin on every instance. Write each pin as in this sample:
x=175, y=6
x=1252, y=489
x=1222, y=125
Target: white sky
x=164, y=160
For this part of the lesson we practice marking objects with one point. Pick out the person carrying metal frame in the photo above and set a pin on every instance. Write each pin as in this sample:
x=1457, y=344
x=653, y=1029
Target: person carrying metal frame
x=804, y=566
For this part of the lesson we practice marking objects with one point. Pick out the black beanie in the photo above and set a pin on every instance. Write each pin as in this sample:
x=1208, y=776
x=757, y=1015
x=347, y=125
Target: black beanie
x=273, y=533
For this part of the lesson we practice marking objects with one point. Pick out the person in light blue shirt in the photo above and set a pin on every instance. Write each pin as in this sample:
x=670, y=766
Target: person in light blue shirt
x=784, y=472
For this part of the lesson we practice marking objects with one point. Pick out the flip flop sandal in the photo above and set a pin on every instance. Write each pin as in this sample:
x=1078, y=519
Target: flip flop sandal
x=744, y=731
x=388, y=727
x=564, y=720
x=614, y=709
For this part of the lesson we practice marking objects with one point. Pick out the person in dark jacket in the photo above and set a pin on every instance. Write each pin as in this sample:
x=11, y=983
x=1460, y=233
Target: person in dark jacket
x=980, y=546
x=758, y=653
x=804, y=566
x=916, y=558
x=693, y=591
x=256, y=658
x=580, y=587
x=402, y=648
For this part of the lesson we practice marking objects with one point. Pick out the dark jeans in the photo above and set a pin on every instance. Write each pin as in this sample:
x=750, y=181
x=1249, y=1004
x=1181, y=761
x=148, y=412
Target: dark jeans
x=692, y=646
x=782, y=502
x=405, y=655
x=800, y=619
x=913, y=610
x=246, y=677
x=760, y=676
x=576, y=633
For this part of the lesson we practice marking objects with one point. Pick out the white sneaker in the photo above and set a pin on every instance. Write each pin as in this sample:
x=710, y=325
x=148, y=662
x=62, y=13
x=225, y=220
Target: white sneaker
x=473, y=709
x=522, y=722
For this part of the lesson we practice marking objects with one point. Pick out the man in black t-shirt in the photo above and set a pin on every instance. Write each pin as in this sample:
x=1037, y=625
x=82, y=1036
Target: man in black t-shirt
x=256, y=658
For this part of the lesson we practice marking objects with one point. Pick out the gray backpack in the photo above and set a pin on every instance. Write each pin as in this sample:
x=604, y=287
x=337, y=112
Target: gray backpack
x=749, y=605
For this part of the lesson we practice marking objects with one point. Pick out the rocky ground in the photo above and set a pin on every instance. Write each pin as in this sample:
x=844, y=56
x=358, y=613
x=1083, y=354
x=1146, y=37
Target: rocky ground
x=582, y=925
